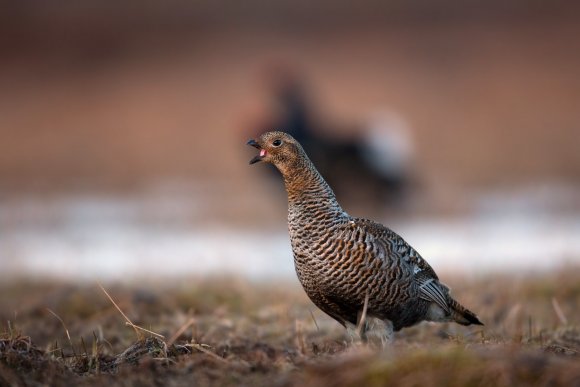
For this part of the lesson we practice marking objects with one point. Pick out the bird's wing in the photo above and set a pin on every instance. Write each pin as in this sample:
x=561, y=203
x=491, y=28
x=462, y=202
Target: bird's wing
x=394, y=250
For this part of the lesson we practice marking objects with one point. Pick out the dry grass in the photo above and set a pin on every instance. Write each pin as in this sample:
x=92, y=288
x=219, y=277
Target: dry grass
x=230, y=332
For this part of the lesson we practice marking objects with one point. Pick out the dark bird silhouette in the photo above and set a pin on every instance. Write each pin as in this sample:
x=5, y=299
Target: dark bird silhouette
x=358, y=159
x=344, y=262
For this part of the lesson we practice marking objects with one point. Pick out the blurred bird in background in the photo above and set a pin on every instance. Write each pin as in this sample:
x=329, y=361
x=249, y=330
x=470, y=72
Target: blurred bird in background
x=368, y=161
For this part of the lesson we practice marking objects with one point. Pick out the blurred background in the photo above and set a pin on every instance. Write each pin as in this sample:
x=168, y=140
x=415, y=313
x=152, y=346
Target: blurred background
x=123, y=130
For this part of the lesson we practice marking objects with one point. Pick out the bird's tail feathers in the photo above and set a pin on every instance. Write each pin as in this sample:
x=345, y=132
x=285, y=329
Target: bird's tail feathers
x=462, y=315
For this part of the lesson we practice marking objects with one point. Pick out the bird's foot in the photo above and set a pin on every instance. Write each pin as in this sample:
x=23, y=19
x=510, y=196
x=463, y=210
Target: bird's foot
x=354, y=334
x=378, y=333
x=374, y=332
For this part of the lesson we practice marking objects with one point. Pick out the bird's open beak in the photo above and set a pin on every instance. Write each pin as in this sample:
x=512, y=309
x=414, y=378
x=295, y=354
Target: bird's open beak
x=257, y=146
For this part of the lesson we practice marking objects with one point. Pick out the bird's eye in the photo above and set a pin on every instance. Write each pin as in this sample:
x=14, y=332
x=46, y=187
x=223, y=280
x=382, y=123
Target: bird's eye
x=277, y=142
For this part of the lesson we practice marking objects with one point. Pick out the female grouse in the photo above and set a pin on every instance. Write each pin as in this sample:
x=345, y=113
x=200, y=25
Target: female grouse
x=343, y=262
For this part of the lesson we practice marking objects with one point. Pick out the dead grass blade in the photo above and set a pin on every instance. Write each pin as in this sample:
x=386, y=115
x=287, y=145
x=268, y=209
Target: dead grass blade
x=559, y=312
x=200, y=348
x=128, y=321
x=363, y=316
x=314, y=319
x=65, y=330
x=182, y=329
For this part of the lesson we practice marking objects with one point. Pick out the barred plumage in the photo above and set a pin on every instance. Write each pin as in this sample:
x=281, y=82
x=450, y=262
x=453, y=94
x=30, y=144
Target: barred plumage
x=341, y=261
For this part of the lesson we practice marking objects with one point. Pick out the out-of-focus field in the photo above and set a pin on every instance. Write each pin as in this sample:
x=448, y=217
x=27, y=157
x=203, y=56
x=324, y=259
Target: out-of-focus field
x=231, y=332
x=96, y=97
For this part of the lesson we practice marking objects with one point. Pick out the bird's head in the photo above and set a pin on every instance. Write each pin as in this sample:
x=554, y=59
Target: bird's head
x=277, y=148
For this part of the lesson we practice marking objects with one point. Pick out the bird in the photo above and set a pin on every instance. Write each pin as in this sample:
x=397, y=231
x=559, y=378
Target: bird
x=359, y=272
x=377, y=155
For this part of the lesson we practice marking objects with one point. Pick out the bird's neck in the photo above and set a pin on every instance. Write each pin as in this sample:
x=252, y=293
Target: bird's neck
x=308, y=193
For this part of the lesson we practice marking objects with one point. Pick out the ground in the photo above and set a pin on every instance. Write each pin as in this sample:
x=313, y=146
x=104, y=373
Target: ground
x=230, y=331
